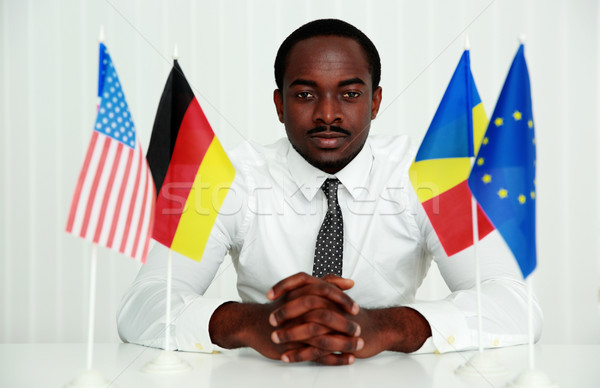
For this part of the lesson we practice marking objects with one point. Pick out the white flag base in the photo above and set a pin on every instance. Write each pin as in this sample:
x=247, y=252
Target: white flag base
x=532, y=379
x=481, y=364
x=167, y=362
x=90, y=379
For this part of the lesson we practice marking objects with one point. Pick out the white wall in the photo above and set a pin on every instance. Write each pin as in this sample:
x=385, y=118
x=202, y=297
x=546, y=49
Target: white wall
x=48, y=75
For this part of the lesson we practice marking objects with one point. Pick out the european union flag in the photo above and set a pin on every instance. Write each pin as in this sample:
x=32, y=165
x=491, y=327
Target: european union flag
x=503, y=177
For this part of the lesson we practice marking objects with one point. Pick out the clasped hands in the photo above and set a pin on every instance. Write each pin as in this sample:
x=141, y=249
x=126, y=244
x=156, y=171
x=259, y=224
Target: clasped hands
x=314, y=320
x=308, y=319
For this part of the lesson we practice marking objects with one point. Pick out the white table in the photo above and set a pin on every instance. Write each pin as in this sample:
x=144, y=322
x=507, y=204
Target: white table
x=54, y=365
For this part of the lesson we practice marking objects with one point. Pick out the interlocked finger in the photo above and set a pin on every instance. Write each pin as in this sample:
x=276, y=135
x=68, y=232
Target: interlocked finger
x=337, y=343
x=318, y=355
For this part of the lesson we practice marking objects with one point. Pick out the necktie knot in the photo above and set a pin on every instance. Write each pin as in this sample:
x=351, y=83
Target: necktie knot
x=330, y=188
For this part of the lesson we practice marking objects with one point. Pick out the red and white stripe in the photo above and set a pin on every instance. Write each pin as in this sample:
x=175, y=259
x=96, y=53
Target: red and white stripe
x=113, y=203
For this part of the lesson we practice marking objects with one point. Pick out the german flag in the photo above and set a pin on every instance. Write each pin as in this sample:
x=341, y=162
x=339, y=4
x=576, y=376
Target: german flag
x=191, y=171
x=443, y=163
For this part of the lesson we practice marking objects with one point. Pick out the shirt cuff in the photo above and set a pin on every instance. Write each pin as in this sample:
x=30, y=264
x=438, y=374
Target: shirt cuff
x=449, y=328
x=191, y=328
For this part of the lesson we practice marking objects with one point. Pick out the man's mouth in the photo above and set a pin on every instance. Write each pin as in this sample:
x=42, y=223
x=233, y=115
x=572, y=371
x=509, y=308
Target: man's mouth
x=328, y=137
x=331, y=131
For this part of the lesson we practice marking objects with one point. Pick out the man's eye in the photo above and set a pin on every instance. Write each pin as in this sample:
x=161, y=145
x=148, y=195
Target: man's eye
x=351, y=95
x=304, y=95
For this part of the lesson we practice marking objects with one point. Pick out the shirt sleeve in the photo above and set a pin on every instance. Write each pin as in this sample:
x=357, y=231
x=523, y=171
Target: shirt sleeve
x=141, y=318
x=454, y=320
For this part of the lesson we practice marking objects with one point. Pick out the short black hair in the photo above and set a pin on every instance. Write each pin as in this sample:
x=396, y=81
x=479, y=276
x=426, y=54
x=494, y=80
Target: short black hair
x=328, y=27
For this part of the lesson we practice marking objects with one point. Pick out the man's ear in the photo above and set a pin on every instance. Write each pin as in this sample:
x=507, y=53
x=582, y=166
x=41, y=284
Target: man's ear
x=376, y=102
x=278, y=100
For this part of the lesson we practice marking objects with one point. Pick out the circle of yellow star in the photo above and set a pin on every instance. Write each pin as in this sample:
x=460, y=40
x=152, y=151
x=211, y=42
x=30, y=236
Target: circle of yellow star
x=502, y=193
x=517, y=115
x=521, y=199
x=480, y=162
x=532, y=195
x=486, y=178
x=530, y=123
x=498, y=121
x=485, y=140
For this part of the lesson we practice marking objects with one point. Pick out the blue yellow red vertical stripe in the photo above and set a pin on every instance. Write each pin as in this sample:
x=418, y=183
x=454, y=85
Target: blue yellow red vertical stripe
x=443, y=162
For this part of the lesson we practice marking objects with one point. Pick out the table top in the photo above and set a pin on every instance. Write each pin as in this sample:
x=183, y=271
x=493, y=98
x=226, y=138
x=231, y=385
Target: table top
x=55, y=365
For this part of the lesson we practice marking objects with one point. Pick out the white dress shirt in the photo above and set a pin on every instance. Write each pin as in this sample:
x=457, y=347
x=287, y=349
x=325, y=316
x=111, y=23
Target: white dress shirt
x=269, y=224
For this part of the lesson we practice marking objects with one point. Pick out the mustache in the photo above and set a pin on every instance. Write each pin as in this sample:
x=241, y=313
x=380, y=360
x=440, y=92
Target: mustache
x=332, y=128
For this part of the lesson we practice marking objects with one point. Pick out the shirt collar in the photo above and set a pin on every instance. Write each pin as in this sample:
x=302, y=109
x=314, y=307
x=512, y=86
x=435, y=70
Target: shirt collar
x=353, y=177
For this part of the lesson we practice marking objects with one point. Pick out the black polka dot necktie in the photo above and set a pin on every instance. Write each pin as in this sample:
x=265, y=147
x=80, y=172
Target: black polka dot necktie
x=330, y=241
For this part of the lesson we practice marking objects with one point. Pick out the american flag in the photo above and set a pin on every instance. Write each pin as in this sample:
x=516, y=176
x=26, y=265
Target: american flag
x=113, y=203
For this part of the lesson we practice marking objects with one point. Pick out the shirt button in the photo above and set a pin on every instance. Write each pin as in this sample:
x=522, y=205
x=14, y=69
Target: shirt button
x=451, y=340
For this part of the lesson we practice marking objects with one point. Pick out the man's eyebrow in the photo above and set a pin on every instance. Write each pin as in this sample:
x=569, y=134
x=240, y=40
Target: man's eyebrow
x=305, y=82
x=351, y=81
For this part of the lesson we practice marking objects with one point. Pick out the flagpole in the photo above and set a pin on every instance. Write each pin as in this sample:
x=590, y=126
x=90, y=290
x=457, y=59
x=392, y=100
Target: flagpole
x=475, y=225
x=477, y=273
x=531, y=378
x=168, y=361
x=93, y=270
x=168, y=312
x=169, y=267
x=92, y=305
x=530, y=322
x=90, y=377
x=480, y=364
x=529, y=281
x=529, y=294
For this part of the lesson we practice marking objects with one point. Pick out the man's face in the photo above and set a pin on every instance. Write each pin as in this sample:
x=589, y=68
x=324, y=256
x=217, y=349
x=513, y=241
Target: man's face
x=327, y=102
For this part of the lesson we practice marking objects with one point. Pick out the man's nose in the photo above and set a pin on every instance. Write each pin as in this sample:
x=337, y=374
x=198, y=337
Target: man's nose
x=328, y=111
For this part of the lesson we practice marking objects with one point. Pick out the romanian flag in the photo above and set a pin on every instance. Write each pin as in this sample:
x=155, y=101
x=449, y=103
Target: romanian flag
x=443, y=163
x=191, y=171
x=503, y=179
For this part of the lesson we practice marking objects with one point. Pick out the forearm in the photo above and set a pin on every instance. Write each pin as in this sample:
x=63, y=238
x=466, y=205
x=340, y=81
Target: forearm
x=454, y=320
x=142, y=315
x=504, y=317
x=399, y=329
x=231, y=324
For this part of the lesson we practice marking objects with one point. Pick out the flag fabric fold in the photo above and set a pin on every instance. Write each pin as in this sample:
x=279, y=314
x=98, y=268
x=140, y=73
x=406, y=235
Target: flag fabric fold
x=503, y=178
x=191, y=170
x=443, y=162
x=113, y=202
